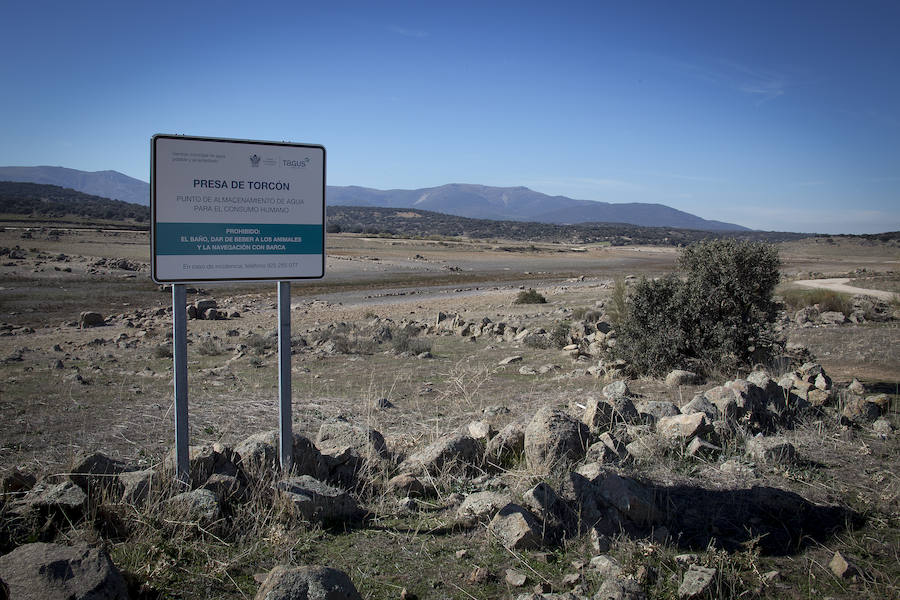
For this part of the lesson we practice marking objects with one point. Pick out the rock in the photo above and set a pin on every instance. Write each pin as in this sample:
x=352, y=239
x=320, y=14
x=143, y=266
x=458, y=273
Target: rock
x=882, y=427
x=136, y=485
x=860, y=410
x=57, y=572
x=546, y=504
x=365, y=441
x=553, y=439
x=700, y=448
x=203, y=461
x=626, y=495
x=515, y=578
x=620, y=588
x=482, y=506
x=603, y=413
x=98, y=473
x=882, y=401
x=15, y=481
x=771, y=450
x=199, y=505
x=90, y=319
x=508, y=444
x=616, y=389
x=606, y=566
x=682, y=427
x=832, y=317
x=653, y=410
x=407, y=484
x=65, y=497
x=258, y=456
x=454, y=452
x=316, y=501
x=349, y=450
x=600, y=452
x=856, y=387
x=701, y=404
x=516, y=528
x=307, y=583
x=680, y=377
x=696, y=582
x=842, y=567
x=600, y=541
x=645, y=447
x=736, y=467
x=510, y=360
x=481, y=430
x=479, y=575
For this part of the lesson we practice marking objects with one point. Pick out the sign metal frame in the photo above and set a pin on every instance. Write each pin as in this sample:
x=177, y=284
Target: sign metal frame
x=179, y=316
x=251, y=147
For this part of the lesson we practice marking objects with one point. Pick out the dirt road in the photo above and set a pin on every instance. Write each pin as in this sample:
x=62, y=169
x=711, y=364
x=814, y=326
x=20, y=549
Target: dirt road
x=839, y=284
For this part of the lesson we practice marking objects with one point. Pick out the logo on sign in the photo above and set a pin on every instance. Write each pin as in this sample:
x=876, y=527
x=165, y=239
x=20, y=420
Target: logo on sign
x=295, y=164
x=254, y=160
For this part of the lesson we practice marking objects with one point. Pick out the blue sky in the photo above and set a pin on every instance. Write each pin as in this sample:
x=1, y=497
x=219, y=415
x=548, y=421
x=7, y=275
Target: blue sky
x=774, y=115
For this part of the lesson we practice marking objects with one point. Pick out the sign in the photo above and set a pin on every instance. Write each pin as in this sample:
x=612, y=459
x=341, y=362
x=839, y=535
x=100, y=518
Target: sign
x=236, y=210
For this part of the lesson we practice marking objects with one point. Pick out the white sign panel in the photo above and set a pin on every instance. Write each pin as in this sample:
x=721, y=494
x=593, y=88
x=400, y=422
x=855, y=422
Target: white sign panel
x=235, y=210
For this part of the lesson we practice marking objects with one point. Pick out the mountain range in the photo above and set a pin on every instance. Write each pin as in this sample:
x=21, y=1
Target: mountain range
x=460, y=199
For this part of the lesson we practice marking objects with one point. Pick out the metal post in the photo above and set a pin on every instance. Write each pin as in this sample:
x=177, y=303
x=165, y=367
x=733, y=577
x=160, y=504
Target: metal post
x=179, y=358
x=286, y=438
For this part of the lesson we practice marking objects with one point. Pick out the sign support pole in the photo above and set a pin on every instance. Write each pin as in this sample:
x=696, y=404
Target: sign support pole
x=286, y=438
x=179, y=358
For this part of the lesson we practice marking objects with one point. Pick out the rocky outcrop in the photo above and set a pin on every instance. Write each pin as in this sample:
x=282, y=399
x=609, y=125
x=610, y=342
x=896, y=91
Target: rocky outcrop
x=553, y=440
x=307, y=583
x=57, y=572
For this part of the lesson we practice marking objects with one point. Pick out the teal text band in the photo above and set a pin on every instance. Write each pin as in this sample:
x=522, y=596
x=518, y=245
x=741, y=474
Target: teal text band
x=211, y=239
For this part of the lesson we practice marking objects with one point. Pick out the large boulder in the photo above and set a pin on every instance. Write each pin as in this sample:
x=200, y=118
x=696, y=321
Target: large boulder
x=98, y=473
x=603, y=413
x=516, y=528
x=453, y=452
x=258, y=456
x=679, y=377
x=316, y=501
x=54, y=572
x=90, y=319
x=64, y=498
x=307, y=583
x=682, y=427
x=201, y=506
x=348, y=450
x=482, y=506
x=508, y=444
x=203, y=461
x=553, y=439
x=632, y=499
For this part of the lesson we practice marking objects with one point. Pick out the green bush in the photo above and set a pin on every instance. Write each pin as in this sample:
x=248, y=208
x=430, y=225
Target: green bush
x=717, y=313
x=529, y=297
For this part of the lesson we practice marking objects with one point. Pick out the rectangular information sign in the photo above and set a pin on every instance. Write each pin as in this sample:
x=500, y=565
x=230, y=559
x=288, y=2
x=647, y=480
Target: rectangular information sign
x=236, y=210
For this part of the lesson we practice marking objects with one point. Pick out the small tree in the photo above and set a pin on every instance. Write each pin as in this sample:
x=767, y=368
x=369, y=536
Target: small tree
x=717, y=315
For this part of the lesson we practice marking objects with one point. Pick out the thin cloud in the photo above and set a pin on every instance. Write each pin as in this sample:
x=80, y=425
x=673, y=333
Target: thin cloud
x=412, y=33
x=763, y=84
x=699, y=178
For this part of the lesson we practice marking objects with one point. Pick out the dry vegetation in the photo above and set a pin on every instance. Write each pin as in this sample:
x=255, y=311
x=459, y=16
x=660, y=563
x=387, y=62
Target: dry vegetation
x=67, y=392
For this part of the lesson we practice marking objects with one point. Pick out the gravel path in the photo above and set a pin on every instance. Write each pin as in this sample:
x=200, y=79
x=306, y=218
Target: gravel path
x=839, y=284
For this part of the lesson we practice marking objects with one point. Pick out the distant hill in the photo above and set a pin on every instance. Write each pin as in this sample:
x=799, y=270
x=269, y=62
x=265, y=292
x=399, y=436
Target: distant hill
x=54, y=203
x=460, y=199
x=522, y=204
x=107, y=184
x=405, y=222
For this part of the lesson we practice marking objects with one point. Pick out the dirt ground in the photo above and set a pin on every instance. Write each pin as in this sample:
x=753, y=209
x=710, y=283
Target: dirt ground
x=65, y=391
